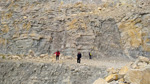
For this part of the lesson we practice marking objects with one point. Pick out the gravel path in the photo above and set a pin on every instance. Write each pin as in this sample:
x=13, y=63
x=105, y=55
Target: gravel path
x=105, y=62
x=101, y=63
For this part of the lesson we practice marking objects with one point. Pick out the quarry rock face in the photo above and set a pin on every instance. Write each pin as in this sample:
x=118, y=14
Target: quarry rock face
x=119, y=29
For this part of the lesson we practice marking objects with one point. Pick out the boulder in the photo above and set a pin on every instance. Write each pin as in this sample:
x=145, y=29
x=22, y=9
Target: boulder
x=138, y=76
x=141, y=65
x=100, y=81
x=140, y=62
x=146, y=76
x=124, y=70
x=143, y=59
x=111, y=77
x=112, y=71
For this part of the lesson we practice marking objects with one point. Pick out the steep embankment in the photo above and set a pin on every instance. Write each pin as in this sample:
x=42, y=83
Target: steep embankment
x=17, y=72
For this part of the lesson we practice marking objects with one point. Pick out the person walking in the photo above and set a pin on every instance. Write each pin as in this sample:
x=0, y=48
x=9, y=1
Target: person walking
x=57, y=55
x=79, y=57
x=90, y=55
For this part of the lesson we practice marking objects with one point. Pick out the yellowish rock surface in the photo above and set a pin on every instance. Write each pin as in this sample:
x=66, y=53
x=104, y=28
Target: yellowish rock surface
x=111, y=77
x=138, y=76
x=100, y=81
x=124, y=70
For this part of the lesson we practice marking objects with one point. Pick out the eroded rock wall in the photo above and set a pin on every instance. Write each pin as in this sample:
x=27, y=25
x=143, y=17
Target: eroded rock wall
x=117, y=29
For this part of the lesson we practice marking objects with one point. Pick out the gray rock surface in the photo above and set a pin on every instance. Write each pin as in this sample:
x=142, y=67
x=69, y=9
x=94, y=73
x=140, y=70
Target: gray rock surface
x=48, y=73
x=119, y=29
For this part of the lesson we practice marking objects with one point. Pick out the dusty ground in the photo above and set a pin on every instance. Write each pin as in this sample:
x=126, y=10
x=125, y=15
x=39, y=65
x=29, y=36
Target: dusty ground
x=104, y=62
x=101, y=63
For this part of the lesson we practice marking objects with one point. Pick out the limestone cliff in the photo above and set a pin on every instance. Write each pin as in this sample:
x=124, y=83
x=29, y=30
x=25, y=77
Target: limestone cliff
x=107, y=29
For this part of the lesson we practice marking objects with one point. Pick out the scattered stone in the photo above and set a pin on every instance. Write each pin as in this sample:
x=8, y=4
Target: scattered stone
x=44, y=55
x=24, y=17
x=112, y=71
x=14, y=57
x=99, y=8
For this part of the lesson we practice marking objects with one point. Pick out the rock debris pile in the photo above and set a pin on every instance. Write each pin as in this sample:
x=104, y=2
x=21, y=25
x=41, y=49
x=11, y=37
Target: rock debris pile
x=137, y=72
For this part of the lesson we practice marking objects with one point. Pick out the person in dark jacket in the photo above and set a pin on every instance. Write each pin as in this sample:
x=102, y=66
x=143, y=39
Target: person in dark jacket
x=90, y=55
x=79, y=57
x=57, y=55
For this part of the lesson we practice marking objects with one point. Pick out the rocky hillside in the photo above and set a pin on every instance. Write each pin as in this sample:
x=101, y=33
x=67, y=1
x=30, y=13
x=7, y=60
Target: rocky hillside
x=17, y=72
x=107, y=29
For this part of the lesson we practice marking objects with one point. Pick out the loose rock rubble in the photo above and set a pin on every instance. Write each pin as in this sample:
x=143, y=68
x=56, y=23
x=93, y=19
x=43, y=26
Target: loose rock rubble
x=137, y=72
x=33, y=72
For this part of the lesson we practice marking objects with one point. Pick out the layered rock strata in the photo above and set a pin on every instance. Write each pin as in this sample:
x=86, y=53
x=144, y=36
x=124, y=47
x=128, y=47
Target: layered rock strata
x=119, y=29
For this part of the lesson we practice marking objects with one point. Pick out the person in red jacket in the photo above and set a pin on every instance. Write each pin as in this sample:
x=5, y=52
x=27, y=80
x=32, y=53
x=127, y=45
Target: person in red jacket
x=57, y=55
